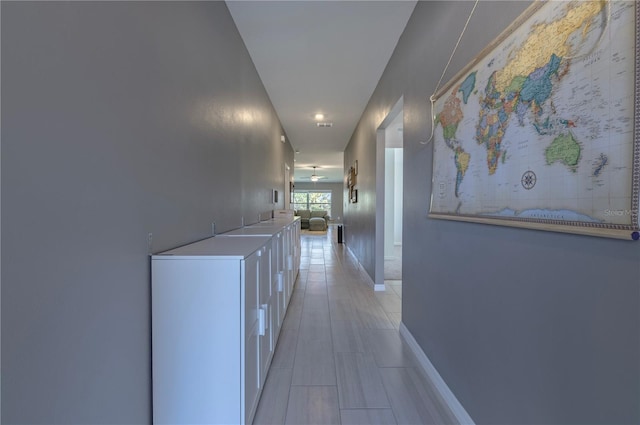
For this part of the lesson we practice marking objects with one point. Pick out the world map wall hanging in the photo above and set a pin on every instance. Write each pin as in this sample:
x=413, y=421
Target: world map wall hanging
x=541, y=129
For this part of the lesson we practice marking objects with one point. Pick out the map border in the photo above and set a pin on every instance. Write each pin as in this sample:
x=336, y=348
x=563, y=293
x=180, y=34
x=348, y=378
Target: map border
x=619, y=231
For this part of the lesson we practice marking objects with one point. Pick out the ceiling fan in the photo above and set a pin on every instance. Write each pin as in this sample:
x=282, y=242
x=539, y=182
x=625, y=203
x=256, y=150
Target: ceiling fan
x=314, y=177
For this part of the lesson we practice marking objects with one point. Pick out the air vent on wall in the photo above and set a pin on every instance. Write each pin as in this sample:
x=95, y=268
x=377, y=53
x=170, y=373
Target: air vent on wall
x=324, y=124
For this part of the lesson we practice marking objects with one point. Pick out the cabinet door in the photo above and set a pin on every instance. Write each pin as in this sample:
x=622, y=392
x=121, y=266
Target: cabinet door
x=252, y=336
x=288, y=263
x=274, y=306
x=264, y=323
x=280, y=280
x=296, y=247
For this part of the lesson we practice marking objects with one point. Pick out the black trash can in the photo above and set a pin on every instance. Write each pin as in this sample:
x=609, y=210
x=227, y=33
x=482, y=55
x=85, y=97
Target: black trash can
x=339, y=233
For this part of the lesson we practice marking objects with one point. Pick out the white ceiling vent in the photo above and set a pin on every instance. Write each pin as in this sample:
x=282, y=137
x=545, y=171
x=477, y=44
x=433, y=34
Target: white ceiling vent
x=324, y=124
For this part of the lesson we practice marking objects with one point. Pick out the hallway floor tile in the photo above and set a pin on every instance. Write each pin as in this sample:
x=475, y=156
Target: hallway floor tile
x=340, y=358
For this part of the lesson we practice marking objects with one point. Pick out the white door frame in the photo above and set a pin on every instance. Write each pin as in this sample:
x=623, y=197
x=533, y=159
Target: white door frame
x=287, y=186
x=380, y=198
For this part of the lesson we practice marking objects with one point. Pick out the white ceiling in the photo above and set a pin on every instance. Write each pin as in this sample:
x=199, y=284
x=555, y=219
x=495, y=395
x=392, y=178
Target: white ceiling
x=320, y=57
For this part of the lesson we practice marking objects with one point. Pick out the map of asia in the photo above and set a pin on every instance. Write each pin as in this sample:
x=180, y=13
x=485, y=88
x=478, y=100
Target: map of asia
x=541, y=129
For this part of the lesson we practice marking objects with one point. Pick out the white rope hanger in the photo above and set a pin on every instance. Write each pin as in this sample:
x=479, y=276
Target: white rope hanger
x=433, y=98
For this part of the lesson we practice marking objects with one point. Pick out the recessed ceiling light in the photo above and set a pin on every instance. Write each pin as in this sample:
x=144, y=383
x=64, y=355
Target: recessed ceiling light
x=319, y=117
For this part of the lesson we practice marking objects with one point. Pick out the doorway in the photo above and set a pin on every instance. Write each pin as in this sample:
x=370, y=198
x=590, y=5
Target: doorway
x=389, y=189
x=288, y=182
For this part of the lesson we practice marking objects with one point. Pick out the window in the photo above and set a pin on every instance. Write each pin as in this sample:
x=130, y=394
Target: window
x=312, y=200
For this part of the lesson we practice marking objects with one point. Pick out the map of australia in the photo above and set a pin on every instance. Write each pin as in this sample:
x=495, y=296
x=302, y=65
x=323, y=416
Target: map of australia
x=541, y=128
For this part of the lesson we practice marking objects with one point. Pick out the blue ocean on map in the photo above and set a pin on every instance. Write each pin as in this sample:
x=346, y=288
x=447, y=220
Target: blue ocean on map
x=545, y=214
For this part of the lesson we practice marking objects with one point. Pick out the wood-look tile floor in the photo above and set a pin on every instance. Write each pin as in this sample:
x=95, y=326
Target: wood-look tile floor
x=340, y=358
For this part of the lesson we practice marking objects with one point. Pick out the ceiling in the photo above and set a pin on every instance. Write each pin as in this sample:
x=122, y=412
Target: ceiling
x=320, y=57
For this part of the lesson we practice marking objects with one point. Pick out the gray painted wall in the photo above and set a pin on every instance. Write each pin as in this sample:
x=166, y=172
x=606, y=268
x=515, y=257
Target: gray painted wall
x=119, y=119
x=525, y=326
x=337, y=195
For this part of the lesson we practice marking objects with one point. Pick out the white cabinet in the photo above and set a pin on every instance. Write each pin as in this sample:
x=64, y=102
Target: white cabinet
x=285, y=261
x=206, y=326
x=217, y=309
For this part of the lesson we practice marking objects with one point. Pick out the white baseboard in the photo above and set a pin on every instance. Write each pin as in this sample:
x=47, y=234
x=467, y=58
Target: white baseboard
x=375, y=286
x=438, y=383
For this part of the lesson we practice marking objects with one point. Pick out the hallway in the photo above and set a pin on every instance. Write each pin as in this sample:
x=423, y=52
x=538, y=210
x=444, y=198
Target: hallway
x=340, y=358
